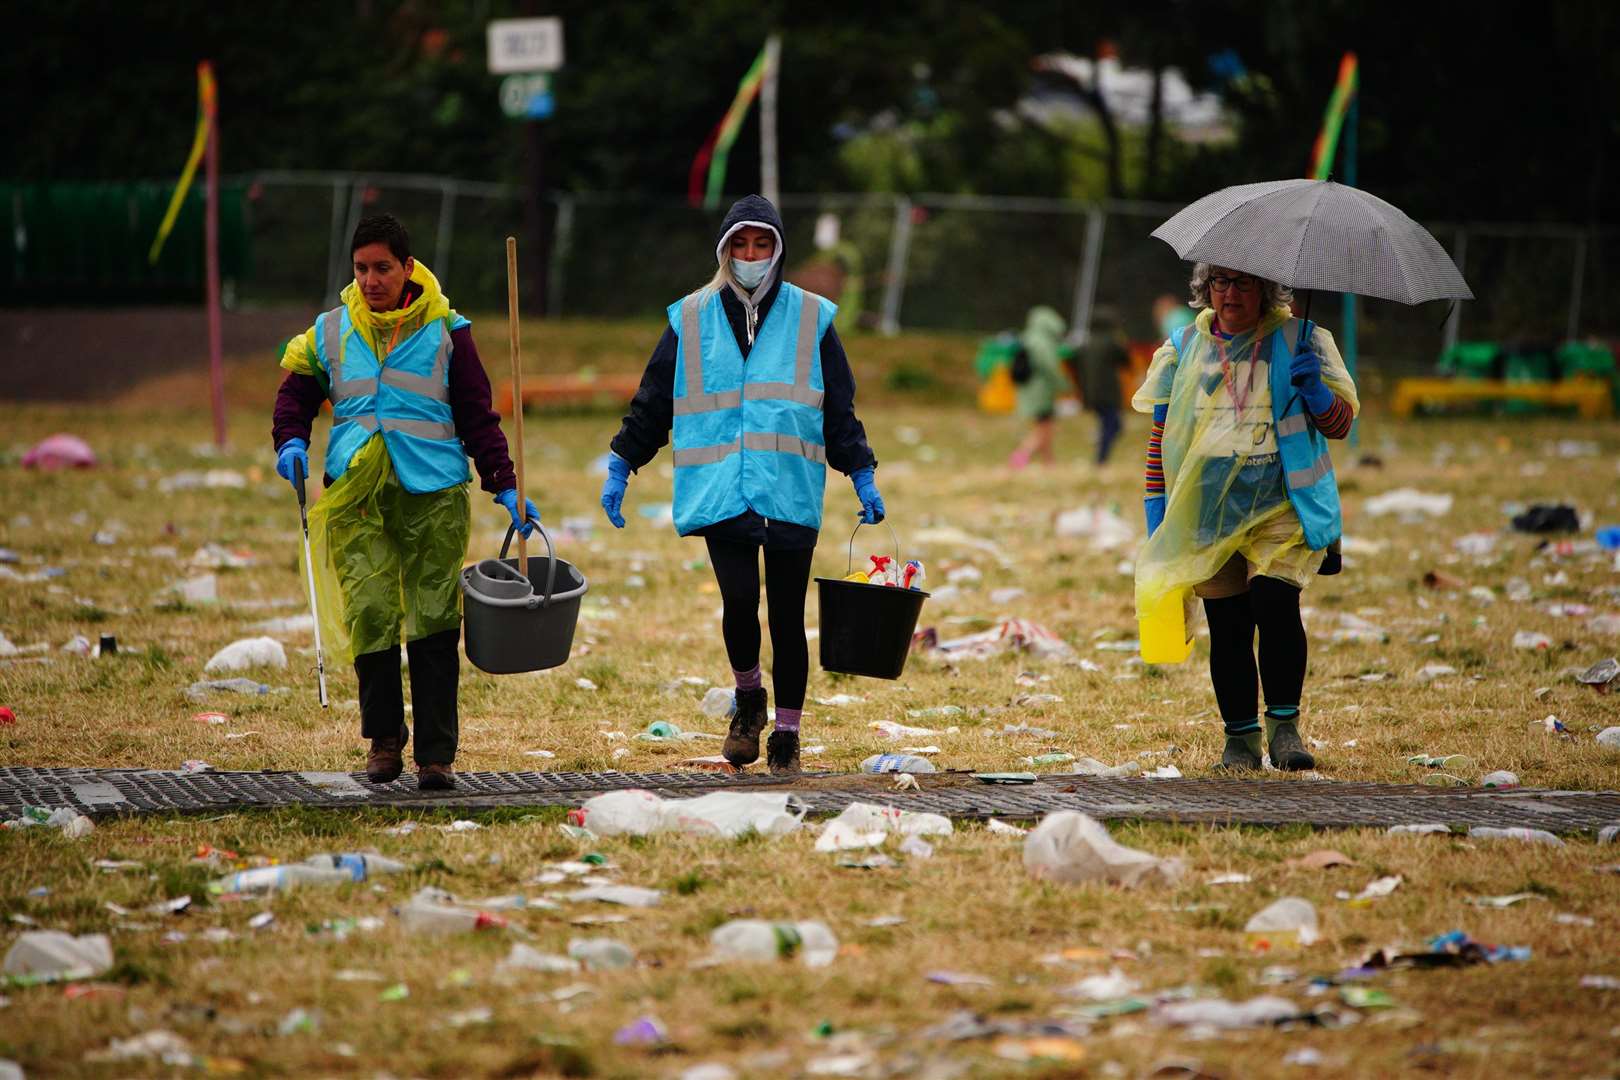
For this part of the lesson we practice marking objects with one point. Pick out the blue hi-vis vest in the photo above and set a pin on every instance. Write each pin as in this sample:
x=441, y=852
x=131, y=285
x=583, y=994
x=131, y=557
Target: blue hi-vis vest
x=407, y=398
x=1307, y=466
x=748, y=436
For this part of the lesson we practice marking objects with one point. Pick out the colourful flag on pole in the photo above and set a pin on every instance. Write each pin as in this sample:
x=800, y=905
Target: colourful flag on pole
x=717, y=147
x=199, y=143
x=1327, y=140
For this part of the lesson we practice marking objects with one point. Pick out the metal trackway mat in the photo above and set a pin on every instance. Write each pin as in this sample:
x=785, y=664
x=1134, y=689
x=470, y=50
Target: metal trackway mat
x=113, y=792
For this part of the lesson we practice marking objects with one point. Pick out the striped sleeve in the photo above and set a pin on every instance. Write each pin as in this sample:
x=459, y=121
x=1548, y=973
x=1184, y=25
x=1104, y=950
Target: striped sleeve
x=1333, y=424
x=1154, y=484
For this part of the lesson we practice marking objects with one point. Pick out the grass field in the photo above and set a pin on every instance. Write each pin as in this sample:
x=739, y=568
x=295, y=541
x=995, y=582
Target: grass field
x=652, y=617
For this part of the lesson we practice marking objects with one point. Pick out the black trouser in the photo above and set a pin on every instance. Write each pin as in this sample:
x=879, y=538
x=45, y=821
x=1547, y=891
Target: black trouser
x=435, y=672
x=1272, y=607
x=1108, y=426
x=787, y=577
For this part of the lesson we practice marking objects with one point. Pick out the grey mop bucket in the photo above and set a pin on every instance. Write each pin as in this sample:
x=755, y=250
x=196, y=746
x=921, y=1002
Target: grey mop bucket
x=512, y=628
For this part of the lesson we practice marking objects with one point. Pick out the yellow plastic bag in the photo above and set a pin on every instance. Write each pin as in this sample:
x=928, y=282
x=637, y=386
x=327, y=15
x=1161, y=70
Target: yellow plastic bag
x=385, y=557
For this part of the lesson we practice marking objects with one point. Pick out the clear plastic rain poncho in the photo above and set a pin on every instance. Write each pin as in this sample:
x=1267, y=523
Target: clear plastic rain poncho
x=384, y=557
x=1222, y=469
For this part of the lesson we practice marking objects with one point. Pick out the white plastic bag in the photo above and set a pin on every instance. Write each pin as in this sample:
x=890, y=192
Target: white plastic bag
x=723, y=813
x=756, y=939
x=1072, y=847
x=869, y=817
x=53, y=954
x=248, y=653
x=1290, y=921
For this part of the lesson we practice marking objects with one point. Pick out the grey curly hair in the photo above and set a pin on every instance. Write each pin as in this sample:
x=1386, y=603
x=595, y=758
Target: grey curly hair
x=1272, y=295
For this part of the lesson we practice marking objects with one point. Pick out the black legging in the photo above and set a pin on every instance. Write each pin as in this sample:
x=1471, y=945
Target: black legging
x=1271, y=606
x=787, y=577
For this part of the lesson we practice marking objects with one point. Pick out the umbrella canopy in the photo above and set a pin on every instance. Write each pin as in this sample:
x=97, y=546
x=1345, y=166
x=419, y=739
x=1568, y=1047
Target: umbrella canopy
x=1315, y=234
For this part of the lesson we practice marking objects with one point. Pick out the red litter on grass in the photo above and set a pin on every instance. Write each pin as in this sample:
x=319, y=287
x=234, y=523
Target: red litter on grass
x=211, y=718
x=7, y=717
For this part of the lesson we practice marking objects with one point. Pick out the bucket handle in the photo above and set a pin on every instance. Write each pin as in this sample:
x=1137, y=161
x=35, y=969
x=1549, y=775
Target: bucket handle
x=849, y=562
x=551, y=569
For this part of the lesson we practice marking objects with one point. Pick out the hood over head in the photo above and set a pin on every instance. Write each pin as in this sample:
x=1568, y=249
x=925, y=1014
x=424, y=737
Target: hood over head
x=752, y=210
x=1045, y=322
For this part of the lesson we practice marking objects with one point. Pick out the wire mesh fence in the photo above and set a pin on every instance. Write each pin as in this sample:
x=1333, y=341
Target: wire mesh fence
x=930, y=262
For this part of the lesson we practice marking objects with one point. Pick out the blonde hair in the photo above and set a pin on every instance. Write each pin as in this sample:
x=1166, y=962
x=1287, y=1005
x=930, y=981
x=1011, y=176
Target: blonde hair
x=722, y=278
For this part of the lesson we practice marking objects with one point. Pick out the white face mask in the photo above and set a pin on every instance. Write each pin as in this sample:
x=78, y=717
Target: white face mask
x=749, y=274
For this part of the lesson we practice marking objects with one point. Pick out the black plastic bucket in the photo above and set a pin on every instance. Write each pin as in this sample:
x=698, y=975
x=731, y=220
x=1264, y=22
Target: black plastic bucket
x=510, y=627
x=866, y=629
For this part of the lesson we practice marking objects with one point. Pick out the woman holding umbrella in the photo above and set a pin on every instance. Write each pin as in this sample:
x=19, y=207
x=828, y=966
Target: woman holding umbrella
x=1241, y=501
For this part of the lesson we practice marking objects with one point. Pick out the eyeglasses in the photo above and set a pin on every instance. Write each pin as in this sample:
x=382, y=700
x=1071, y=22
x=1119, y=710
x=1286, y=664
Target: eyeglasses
x=1243, y=283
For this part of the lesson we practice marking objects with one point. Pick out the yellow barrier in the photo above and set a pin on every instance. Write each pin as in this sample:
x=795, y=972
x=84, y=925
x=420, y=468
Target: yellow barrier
x=1590, y=398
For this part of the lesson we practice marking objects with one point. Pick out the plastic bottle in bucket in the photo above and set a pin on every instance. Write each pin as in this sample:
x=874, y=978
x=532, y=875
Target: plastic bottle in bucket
x=1163, y=632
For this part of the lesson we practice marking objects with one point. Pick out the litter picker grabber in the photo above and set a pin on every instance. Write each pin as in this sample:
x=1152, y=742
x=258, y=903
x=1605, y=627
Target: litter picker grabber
x=309, y=572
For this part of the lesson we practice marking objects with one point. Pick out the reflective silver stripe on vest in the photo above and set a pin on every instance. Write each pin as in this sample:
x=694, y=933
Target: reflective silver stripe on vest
x=332, y=339
x=1292, y=424
x=706, y=455
x=424, y=429
x=702, y=403
x=436, y=385
x=781, y=391
x=784, y=444
x=367, y=421
x=799, y=391
x=808, y=310
x=1300, y=479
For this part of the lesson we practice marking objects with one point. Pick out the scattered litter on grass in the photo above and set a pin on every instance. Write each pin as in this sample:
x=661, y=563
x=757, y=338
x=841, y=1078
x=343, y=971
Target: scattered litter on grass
x=1409, y=504
x=1528, y=836
x=1530, y=639
x=1427, y=828
x=434, y=911
x=164, y=1045
x=248, y=653
x=52, y=956
x=70, y=822
x=1221, y=1015
x=1287, y=923
x=526, y=958
x=897, y=763
x=1430, y=672
x=643, y=1031
x=1072, y=847
x=1501, y=778
x=1013, y=635
x=624, y=895
x=959, y=978
x=726, y=814
x=1105, y=529
x=756, y=939
x=212, y=556
x=1322, y=859
x=202, y=479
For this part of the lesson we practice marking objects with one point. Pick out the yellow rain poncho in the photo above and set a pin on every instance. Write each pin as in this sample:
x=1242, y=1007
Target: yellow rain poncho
x=384, y=558
x=1224, y=475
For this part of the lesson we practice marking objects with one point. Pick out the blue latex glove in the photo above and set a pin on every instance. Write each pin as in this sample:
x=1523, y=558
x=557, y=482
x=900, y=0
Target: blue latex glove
x=1153, y=510
x=292, y=450
x=1305, y=372
x=866, y=491
x=525, y=524
x=618, y=478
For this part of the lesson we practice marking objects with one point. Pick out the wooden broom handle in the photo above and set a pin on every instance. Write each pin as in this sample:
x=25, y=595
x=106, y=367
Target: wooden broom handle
x=517, y=394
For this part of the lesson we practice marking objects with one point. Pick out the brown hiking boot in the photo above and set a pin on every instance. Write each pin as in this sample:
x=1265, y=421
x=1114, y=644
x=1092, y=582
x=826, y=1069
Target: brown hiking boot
x=782, y=753
x=435, y=777
x=748, y=719
x=386, y=758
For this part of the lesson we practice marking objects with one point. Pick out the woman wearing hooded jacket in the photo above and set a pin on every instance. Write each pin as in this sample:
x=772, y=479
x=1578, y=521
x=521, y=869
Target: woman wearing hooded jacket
x=752, y=380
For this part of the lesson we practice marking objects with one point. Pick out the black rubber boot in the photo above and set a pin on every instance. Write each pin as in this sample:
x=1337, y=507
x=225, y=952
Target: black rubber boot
x=1242, y=753
x=748, y=719
x=1287, y=751
x=782, y=753
x=435, y=675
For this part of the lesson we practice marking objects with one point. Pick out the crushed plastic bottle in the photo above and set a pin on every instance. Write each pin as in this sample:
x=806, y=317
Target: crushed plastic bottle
x=756, y=939
x=434, y=911
x=601, y=954
x=1609, y=737
x=270, y=879
x=1287, y=923
x=718, y=702
x=359, y=864
x=897, y=763
x=1501, y=778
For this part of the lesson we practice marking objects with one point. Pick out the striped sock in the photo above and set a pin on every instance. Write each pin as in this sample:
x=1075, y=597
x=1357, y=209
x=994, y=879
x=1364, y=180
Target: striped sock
x=787, y=719
x=748, y=680
x=1251, y=726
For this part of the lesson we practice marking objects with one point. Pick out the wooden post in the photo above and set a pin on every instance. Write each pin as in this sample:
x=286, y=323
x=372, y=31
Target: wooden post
x=517, y=392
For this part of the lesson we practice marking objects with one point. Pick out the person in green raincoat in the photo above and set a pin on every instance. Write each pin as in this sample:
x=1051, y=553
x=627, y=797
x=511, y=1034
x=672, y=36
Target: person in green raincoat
x=410, y=404
x=1038, y=372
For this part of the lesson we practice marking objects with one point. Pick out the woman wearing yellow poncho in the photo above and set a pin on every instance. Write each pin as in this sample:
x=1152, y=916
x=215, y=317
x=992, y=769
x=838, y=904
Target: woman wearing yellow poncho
x=1241, y=502
x=410, y=404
